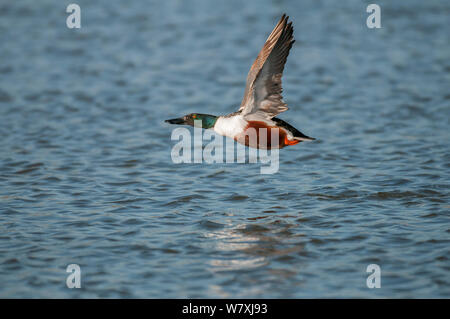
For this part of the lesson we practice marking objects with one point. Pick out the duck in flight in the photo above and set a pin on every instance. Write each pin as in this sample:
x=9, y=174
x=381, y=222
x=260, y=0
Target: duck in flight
x=262, y=99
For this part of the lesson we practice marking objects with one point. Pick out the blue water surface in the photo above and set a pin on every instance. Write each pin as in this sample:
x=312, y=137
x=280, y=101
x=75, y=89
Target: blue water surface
x=86, y=175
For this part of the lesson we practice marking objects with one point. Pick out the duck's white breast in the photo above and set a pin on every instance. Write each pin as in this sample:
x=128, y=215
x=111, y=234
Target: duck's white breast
x=230, y=126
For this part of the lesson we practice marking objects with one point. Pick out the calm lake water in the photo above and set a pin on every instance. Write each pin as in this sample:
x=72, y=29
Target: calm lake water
x=86, y=175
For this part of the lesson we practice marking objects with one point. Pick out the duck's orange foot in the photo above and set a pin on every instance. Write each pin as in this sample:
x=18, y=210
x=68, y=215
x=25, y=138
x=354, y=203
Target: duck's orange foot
x=290, y=142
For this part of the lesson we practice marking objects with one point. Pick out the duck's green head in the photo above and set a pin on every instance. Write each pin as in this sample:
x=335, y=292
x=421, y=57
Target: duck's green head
x=207, y=121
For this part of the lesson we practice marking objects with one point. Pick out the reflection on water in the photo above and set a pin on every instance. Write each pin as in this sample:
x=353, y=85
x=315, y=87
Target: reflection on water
x=86, y=175
x=246, y=248
x=249, y=247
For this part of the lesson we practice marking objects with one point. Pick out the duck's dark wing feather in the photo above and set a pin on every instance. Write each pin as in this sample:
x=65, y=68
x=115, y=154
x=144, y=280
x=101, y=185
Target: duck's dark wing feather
x=296, y=133
x=262, y=96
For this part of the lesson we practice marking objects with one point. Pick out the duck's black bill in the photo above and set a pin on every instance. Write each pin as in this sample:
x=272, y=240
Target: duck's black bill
x=176, y=121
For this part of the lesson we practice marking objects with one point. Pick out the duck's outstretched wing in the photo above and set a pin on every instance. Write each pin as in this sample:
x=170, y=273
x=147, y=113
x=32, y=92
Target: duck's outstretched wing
x=262, y=96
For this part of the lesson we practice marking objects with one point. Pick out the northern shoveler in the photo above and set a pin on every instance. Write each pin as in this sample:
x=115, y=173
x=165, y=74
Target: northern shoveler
x=262, y=98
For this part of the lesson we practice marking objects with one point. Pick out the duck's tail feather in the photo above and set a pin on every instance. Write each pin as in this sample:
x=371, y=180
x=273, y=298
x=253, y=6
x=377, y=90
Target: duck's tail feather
x=304, y=138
